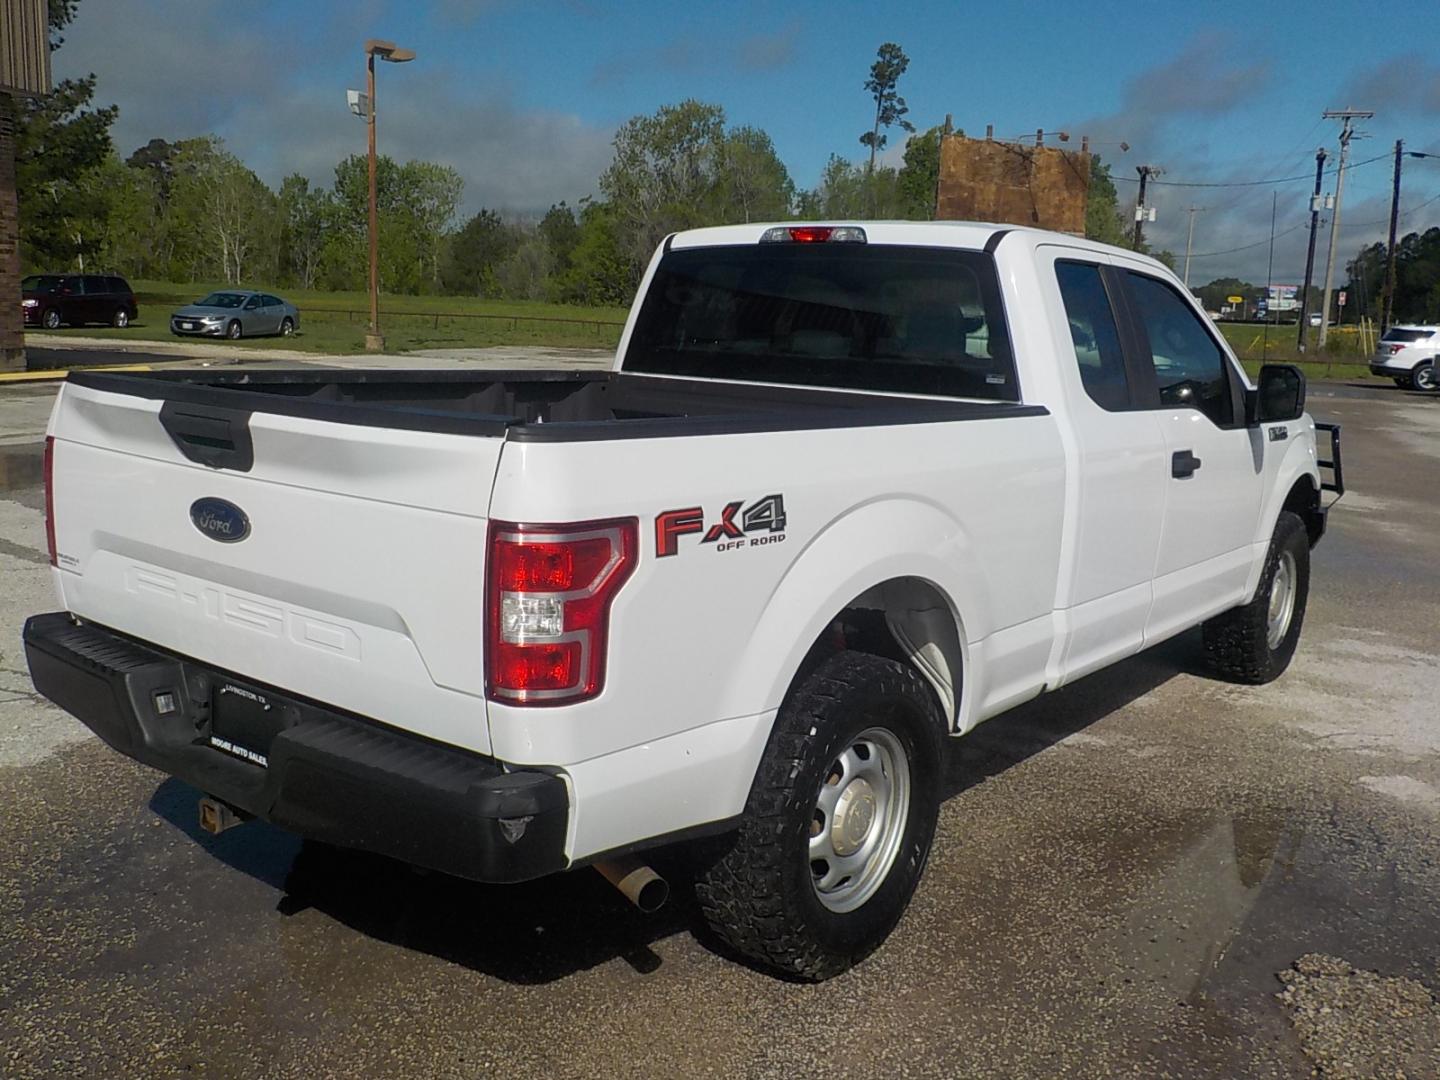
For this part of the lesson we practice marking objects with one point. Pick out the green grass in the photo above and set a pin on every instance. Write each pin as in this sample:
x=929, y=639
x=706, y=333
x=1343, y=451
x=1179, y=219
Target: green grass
x=1346, y=354
x=334, y=322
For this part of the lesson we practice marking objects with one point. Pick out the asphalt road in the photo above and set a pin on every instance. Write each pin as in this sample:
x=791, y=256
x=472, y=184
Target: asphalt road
x=48, y=359
x=1146, y=874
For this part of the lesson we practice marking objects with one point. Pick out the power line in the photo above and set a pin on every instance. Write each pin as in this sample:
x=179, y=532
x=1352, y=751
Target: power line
x=1253, y=183
x=1301, y=224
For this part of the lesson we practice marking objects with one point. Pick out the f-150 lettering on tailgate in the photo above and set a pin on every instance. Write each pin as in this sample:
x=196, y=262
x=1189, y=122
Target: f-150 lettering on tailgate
x=207, y=600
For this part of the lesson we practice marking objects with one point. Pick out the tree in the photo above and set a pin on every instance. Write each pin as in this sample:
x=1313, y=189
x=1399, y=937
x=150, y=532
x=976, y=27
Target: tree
x=561, y=233
x=752, y=183
x=850, y=191
x=305, y=215
x=224, y=213
x=430, y=194
x=662, y=176
x=58, y=139
x=890, y=107
x=920, y=175
x=1103, y=220
x=598, y=265
x=473, y=253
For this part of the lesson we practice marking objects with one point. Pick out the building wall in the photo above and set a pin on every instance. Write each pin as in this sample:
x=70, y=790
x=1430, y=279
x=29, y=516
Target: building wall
x=1012, y=184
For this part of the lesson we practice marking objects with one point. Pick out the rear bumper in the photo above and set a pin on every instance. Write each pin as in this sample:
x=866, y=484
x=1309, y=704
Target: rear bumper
x=330, y=776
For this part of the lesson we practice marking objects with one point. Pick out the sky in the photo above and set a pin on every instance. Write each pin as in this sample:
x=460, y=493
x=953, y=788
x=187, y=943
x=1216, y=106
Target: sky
x=523, y=97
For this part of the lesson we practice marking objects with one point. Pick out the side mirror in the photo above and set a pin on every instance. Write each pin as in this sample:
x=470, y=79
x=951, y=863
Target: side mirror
x=1279, y=394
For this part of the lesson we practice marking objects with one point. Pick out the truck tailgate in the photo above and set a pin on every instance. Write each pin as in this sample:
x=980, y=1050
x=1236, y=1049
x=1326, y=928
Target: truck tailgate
x=360, y=582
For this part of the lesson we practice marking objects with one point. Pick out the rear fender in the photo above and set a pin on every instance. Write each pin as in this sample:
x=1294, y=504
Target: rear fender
x=851, y=556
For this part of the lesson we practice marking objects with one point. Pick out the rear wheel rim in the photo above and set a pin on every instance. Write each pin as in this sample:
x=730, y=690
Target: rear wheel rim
x=1425, y=377
x=1282, y=601
x=287, y=328
x=122, y=319
x=858, y=820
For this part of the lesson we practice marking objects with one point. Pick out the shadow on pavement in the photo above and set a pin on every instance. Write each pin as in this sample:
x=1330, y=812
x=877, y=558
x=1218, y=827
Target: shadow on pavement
x=541, y=931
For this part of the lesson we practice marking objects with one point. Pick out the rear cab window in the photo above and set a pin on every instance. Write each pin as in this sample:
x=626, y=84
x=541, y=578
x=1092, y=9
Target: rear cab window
x=1094, y=334
x=878, y=317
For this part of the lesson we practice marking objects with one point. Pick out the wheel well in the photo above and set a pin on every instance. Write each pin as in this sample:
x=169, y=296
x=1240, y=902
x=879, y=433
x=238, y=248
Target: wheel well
x=908, y=620
x=1304, y=501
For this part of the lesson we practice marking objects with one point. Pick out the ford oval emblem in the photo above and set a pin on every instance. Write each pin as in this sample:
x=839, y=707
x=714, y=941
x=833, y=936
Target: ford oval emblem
x=220, y=520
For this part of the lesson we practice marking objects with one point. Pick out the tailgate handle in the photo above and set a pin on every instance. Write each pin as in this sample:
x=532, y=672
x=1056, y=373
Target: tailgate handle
x=213, y=436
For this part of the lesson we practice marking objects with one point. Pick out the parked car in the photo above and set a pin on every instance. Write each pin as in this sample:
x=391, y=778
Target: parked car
x=236, y=313
x=53, y=300
x=821, y=517
x=1409, y=355
x=1314, y=318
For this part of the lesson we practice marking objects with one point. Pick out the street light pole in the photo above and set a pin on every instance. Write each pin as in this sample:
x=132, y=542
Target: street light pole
x=385, y=50
x=374, y=340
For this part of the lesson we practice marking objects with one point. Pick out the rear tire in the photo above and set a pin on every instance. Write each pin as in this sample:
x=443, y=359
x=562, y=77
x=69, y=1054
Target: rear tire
x=233, y=330
x=1255, y=642
x=120, y=319
x=838, y=824
x=1425, y=378
x=287, y=326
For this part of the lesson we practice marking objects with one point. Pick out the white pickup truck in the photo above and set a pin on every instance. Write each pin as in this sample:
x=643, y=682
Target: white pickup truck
x=848, y=490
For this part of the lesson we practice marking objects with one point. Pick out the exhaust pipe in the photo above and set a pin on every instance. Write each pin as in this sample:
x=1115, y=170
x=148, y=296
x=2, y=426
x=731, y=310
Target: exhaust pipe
x=641, y=885
x=217, y=816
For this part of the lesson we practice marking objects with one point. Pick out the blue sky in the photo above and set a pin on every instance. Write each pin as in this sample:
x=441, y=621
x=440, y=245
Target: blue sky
x=524, y=97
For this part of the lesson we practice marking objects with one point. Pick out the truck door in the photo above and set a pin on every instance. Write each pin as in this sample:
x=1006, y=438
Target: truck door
x=1116, y=496
x=1215, y=463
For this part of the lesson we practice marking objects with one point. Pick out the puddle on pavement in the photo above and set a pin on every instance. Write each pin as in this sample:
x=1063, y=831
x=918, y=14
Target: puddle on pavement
x=21, y=469
x=1238, y=900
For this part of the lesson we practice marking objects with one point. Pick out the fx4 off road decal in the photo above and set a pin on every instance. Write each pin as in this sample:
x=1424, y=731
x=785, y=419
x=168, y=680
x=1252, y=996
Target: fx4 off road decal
x=762, y=522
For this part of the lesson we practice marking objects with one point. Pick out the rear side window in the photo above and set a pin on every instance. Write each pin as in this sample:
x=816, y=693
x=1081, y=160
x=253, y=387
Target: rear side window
x=118, y=285
x=1094, y=334
x=1407, y=336
x=1190, y=368
x=96, y=285
x=859, y=316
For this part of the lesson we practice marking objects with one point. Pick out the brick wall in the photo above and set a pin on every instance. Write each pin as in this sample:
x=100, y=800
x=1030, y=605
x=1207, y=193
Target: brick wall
x=12, y=331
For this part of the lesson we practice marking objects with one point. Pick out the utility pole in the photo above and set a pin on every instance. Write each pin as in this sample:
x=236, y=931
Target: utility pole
x=1145, y=171
x=1347, y=117
x=1390, y=261
x=1315, y=202
x=1190, y=239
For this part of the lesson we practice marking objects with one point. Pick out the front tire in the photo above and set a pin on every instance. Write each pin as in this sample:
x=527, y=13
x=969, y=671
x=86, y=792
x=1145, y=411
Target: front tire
x=1425, y=378
x=51, y=319
x=1255, y=642
x=233, y=330
x=838, y=824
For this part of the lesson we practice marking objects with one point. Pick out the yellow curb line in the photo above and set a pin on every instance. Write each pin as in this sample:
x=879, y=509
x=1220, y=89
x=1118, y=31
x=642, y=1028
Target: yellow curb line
x=60, y=373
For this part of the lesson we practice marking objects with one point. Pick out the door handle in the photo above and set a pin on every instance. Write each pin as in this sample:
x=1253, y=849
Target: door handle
x=1183, y=464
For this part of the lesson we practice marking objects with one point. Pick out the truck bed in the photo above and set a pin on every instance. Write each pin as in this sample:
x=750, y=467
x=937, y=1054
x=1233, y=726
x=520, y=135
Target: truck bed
x=550, y=406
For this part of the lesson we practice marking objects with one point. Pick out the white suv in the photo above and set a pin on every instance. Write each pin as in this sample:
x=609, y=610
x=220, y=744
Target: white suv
x=1407, y=354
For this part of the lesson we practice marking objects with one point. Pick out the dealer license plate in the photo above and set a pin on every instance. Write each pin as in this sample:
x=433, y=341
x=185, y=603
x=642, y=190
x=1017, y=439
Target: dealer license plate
x=244, y=722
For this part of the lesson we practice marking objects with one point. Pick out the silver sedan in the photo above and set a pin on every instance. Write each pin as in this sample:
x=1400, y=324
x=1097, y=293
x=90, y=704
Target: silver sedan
x=237, y=313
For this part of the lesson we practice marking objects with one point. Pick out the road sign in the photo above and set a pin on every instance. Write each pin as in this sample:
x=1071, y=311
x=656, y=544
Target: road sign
x=1234, y=299
x=1341, y=300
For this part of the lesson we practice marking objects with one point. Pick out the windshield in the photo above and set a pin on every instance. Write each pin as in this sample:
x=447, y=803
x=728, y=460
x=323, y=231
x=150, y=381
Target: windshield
x=1396, y=334
x=223, y=299
x=40, y=283
x=859, y=316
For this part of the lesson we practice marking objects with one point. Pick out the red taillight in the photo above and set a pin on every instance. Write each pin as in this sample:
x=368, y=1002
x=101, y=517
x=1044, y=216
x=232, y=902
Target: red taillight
x=548, y=595
x=50, y=497
x=1395, y=349
x=811, y=234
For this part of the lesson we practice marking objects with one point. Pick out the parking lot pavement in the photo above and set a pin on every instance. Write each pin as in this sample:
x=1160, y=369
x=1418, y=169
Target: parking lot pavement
x=1144, y=874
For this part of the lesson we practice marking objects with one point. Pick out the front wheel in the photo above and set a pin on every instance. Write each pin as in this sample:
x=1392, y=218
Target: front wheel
x=51, y=319
x=838, y=824
x=1425, y=378
x=1255, y=642
x=233, y=330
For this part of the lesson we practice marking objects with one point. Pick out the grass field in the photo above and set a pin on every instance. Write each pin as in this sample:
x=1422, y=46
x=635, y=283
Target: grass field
x=1346, y=356
x=334, y=322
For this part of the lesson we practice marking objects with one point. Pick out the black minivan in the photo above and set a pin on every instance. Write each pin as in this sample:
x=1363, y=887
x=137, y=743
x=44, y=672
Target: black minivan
x=49, y=300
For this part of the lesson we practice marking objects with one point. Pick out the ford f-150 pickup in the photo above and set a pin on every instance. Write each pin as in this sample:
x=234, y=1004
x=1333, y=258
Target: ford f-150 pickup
x=849, y=489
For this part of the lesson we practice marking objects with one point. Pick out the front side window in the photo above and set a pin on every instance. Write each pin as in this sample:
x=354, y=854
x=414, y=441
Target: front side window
x=859, y=316
x=1190, y=368
x=223, y=300
x=1094, y=334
